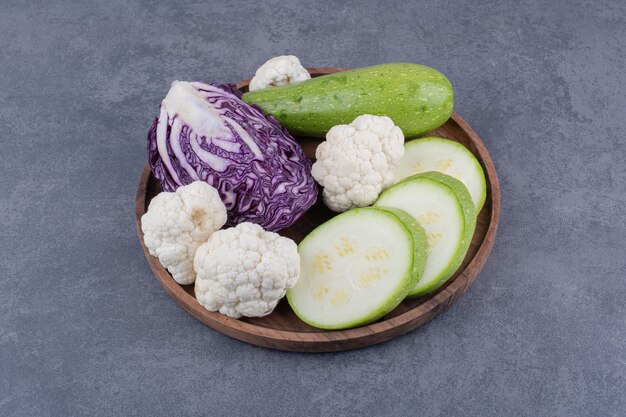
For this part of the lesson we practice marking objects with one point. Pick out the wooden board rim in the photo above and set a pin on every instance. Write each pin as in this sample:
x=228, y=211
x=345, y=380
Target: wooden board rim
x=340, y=339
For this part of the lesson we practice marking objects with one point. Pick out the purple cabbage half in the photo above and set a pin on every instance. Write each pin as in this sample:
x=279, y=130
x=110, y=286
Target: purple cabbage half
x=206, y=132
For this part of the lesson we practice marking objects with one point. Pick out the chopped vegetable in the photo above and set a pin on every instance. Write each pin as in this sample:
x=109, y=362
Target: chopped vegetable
x=280, y=70
x=205, y=132
x=177, y=223
x=245, y=271
x=357, y=267
x=448, y=157
x=417, y=98
x=356, y=162
x=443, y=207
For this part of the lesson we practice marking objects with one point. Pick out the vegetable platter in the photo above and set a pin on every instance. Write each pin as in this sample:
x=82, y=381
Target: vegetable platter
x=414, y=242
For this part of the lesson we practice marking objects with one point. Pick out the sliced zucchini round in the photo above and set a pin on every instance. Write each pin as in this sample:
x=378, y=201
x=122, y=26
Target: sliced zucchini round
x=448, y=157
x=443, y=207
x=357, y=267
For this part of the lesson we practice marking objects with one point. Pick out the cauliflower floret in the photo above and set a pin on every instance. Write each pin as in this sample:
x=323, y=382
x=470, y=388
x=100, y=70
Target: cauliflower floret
x=356, y=162
x=177, y=223
x=281, y=70
x=245, y=271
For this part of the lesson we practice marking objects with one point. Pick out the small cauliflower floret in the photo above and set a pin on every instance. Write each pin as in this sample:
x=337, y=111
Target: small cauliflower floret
x=356, y=162
x=281, y=70
x=245, y=271
x=177, y=223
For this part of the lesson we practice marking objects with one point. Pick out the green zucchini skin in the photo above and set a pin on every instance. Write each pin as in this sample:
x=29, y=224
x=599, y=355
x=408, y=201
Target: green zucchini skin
x=417, y=98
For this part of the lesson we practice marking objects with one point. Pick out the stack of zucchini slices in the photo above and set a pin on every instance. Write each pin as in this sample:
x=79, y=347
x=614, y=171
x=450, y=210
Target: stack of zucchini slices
x=361, y=264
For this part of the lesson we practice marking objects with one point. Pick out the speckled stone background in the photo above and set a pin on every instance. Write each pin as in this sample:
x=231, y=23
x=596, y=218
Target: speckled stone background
x=86, y=330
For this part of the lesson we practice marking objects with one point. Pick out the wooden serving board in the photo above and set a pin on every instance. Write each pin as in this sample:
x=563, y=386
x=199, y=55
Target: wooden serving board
x=282, y=329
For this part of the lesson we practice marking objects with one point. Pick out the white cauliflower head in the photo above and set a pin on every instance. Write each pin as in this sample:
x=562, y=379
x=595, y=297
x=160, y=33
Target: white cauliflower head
x=177, y=223
x=245, y=271
x=280, y=70
x=356, y=162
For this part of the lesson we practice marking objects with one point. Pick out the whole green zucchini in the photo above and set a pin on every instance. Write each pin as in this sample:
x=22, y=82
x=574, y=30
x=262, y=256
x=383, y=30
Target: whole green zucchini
x=417, y=98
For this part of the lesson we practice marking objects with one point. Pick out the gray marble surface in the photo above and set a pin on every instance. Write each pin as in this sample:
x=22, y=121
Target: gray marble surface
x=85, y=329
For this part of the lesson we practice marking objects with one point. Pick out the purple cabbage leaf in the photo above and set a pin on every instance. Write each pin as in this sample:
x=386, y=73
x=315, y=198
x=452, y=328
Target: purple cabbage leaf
x=206, y=132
